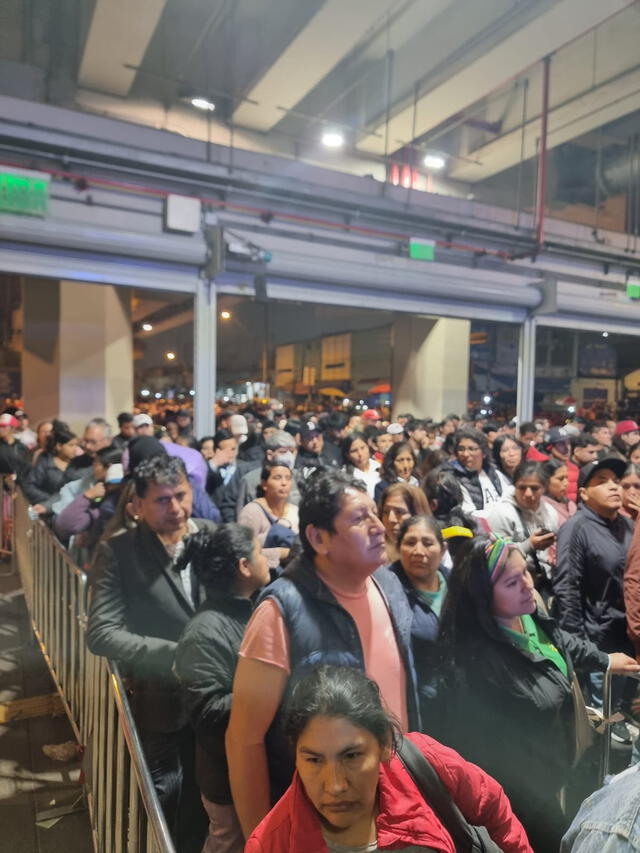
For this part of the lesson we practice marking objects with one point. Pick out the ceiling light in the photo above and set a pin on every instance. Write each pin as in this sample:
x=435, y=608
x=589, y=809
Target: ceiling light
x=203, y=104
x=605, y=334
x=145, y=392
x=225, y=315
x=332, y=139
x=170, y=355
x=147, y=327
x=158, y=395
x=434, y=161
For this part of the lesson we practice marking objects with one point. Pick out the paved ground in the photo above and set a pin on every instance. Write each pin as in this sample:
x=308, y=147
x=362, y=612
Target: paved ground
x=29, y=781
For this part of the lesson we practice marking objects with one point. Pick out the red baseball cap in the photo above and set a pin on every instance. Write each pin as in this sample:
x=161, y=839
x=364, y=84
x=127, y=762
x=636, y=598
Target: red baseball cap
x=371, y=415
x=8, y=420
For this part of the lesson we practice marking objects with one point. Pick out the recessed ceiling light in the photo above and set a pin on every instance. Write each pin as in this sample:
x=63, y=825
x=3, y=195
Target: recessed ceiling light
x=434, y=161
x=170, y=355
x=147, y=327
x=332, y=139
x=203, y=104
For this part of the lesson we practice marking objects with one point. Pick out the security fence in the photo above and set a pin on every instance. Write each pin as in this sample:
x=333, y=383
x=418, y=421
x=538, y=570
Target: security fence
x=125, y=813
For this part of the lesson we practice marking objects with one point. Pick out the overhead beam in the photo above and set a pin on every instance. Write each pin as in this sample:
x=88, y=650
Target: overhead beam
x=552, y=29
x=566, y=122
x=118, y=37
x=330, y=35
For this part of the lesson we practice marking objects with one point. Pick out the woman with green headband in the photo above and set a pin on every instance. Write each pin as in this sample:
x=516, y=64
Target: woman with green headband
x=509, y=687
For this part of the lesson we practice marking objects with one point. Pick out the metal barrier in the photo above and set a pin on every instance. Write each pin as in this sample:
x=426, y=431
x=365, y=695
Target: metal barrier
x=607, y=699
x=125, y=811
x=7, y=499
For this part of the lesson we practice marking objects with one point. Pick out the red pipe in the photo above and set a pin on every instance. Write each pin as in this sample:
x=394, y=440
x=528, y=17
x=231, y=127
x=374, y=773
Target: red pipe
x=258, y=211
x=541, y=190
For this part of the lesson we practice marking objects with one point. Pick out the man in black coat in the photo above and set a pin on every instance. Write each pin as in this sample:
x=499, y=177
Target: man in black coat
x=141, y=601
x=592, y=552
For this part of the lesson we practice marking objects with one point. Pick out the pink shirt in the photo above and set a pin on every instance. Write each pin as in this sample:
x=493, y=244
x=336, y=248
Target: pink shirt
x=266, y=639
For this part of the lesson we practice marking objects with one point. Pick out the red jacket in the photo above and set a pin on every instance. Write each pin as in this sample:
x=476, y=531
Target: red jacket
x=572, y=488
x=632, y=590
x=405, y=818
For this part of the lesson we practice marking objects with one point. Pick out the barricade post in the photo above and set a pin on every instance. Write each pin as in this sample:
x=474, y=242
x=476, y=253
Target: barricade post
x=126, y=816
x=607, y=700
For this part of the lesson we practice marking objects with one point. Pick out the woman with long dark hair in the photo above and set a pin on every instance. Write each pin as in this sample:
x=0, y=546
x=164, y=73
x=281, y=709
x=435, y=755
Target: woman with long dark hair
x=397, y=466
x=508, y=683
x=507, y=455
x=357, y=458
x=397, y=503
x=49, y=474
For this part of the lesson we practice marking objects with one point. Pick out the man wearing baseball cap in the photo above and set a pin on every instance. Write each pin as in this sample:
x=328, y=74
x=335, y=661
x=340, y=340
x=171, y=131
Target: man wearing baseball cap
x=591, y=556
x=14, y=456
x=143, y=424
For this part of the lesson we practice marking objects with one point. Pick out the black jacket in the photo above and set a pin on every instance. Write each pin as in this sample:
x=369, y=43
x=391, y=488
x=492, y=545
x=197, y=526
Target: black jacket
x=14, y=458
x=424, y=634
x=138, y=611
x=588, y=580
x=44, y=480
x=205, y=664
x=511, y=712
x=322, y=631
x=471, y=479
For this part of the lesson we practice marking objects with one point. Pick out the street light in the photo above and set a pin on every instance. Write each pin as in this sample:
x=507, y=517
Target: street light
x=170, y=356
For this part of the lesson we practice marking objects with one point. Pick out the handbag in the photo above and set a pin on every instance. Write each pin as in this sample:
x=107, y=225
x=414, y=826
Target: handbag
x=466, y=837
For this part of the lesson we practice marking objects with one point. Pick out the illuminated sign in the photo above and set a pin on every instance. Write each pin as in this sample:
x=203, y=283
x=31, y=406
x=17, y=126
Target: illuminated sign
x=24, y=192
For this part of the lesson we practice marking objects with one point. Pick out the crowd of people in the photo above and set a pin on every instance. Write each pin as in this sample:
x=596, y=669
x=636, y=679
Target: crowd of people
x=302, y=601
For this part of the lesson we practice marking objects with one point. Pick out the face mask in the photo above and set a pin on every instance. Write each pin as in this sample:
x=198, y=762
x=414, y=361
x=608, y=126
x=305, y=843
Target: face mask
x=287, y=458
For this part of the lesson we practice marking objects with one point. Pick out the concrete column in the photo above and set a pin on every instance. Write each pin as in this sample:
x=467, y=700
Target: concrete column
x=77, y=360
x=430, y=365
x=526, y=370
x=204, y=356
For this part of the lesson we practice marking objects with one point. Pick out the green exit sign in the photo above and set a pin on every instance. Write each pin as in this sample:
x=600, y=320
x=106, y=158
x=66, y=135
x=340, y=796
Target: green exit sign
x=633, y=289
x=24, y=192
x=422, y=250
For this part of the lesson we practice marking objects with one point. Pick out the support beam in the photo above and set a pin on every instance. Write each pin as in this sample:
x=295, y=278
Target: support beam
x=204, y=356
x=551, y=30
x=119, y=35
x=331, y=34
x=526, y=370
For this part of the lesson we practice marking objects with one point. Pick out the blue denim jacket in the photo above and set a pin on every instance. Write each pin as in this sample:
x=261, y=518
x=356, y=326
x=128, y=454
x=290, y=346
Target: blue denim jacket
x=609, y=820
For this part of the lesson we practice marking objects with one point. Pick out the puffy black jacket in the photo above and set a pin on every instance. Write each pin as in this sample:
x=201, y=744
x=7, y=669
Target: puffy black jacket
x=205, y=664
x=424, y=633
x=471, y=480
x=44, y=480
x=588, y=580
x=321, y=631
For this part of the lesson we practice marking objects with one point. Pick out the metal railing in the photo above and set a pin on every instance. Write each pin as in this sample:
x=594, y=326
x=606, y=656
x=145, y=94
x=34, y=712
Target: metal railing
x=7, y=500
x=126, y=816
x=607, y=701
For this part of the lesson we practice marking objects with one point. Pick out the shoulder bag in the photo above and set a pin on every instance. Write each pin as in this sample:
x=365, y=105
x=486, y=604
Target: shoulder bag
x=466, y=837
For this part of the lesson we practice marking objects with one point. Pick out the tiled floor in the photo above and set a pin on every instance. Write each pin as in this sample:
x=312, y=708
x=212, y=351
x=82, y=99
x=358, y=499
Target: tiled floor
x=29, y=781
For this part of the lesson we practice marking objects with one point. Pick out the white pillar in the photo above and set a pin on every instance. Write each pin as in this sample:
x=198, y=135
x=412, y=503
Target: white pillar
x=430, y=365
x=204, y=357
x=526, y=370
x=77, y=358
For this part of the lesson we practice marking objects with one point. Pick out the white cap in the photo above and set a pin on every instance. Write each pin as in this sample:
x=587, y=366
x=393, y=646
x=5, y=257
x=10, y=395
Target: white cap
x=142, y=420
x=238, y=425
x=395, y=429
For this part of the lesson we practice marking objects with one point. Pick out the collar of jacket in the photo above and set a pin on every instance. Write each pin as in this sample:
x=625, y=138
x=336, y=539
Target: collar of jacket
x=226, y=602
x=404, y=818
x=605, y=522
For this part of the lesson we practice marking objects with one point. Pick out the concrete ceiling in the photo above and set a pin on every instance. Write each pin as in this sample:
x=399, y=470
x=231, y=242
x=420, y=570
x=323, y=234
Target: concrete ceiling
x=399, y=77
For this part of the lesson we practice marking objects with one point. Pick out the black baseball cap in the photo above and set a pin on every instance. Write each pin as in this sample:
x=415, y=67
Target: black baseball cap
x=609, y=463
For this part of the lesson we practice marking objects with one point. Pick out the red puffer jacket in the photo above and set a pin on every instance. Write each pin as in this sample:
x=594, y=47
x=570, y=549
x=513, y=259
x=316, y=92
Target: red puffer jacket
x=405, y=818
